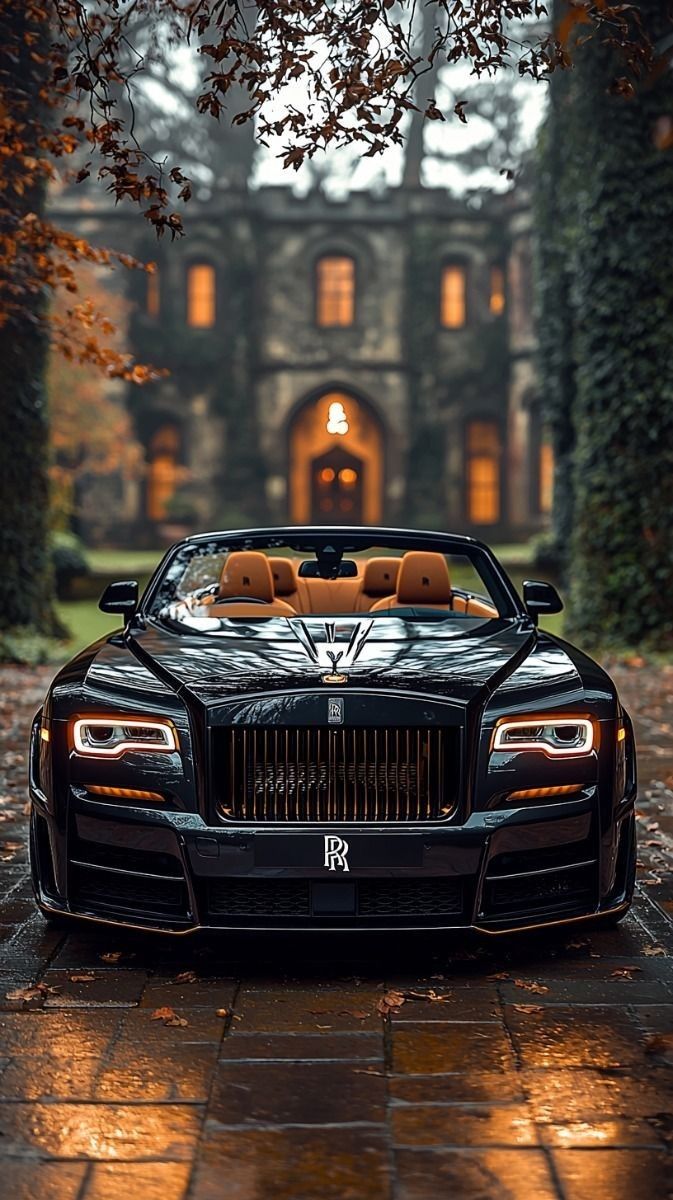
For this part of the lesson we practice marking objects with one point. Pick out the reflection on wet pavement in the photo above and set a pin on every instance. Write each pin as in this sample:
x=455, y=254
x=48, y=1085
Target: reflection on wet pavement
x=527, y=1070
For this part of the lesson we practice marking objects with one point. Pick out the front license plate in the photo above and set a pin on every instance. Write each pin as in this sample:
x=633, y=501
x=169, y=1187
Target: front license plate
x=337, y=852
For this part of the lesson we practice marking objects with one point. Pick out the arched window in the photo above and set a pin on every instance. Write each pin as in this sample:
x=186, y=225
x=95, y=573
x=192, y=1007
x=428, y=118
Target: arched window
x=497, y=295
x=483, y=472
x=152, y=294
x=335, y=290
x=453, y=296
x=201, y=295
x=163, y=471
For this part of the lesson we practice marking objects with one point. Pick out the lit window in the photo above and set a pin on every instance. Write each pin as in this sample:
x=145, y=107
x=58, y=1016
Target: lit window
x=201, y=296
x=335, y=291
x=497, y=299
x=453, y=309
x=546, y=493
x=483, y=472
x=163, y=471
x=152, y=294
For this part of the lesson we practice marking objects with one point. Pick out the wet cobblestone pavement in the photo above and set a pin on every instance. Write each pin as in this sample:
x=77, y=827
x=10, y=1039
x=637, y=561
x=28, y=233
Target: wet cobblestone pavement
x=317, y=1069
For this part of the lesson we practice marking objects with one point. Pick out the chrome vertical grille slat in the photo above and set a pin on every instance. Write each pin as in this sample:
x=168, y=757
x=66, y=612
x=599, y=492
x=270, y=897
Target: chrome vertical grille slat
x=286, y=775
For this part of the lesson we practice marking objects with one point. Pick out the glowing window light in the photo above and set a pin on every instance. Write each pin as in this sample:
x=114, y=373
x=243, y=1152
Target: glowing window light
x=201, y=299
x=453, y=303
x=337, y=421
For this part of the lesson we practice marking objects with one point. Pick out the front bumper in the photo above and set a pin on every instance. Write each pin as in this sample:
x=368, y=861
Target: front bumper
x=170, y=872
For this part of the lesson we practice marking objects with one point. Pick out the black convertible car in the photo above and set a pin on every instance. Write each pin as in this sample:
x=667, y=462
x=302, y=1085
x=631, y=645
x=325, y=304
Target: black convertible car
x=332, y=729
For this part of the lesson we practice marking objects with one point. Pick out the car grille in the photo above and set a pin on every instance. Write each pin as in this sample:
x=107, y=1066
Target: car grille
x=335, y=775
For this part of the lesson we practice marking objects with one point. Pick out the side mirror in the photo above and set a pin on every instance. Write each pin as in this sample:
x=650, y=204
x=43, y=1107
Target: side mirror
x=541, y=598
x=121, y=597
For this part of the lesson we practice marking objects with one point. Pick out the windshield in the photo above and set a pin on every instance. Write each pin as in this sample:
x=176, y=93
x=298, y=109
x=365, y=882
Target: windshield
x=210, y=582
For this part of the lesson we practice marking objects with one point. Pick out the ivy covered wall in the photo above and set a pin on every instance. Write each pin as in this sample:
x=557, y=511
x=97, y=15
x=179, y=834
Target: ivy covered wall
x=605, y=236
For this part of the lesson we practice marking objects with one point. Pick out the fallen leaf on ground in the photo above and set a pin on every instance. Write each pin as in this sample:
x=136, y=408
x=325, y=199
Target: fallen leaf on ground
x=10, y=845
x=111, y=956
x=577, y=944
x=33, y=991
x=168, y=1016
x=654, y=952
x=651, y=882
x=82, y=978
x=528, y=1008
x=185, y=977
x=625, y=972
x=358, y=1013
x=223, y=1012
x=499, y=975
x=660, y=1044
x=431, y=995
x=391, y=1002
x=529, y=985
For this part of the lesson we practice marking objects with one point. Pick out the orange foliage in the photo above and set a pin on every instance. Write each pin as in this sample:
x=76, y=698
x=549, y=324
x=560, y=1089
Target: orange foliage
x=90, y=428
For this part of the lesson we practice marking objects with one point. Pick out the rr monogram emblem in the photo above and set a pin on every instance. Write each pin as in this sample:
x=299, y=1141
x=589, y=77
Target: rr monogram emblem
x=335, y=711
x=336, y=851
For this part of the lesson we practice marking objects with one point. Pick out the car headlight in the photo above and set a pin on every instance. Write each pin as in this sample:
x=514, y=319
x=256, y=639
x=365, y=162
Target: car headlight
x=555, y=736
x=110, y=737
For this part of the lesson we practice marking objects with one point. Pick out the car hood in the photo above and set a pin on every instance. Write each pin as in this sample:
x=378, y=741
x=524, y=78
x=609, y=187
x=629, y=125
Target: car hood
x=456, y=660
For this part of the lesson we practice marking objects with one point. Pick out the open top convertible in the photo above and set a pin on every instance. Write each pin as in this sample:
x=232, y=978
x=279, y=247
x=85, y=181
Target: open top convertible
x=332, y=729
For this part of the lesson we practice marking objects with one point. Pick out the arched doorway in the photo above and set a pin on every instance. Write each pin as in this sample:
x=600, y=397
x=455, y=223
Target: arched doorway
x=336, y=462
x=163, y=471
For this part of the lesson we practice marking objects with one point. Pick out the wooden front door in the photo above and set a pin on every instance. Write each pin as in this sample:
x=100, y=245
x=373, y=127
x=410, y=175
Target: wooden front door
x=337, y=479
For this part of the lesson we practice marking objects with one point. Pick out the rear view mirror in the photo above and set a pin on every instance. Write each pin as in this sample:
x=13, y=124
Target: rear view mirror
x=121, y=597
x=541, y=599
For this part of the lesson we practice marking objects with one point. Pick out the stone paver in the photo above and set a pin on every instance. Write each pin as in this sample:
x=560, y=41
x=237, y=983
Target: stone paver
x=541, y=1068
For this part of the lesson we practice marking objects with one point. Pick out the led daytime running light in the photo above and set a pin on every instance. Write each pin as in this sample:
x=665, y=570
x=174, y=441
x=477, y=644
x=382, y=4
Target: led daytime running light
x=123, y=734
x=544, y=734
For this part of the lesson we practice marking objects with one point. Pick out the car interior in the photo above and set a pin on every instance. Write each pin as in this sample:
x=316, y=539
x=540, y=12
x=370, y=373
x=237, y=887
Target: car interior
x=252, y=584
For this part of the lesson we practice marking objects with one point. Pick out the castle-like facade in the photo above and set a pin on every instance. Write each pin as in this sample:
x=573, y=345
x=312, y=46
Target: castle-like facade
x=364, y=360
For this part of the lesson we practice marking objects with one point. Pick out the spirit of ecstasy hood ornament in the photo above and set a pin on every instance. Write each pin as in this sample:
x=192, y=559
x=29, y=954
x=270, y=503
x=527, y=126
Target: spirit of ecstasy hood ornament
x=320, y=650
x=335, y=676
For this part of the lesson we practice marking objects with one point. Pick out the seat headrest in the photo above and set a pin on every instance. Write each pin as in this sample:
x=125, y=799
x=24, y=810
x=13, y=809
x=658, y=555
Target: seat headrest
x=247, y=573
x=380, y=576
x=423, y=579
x=284, y=576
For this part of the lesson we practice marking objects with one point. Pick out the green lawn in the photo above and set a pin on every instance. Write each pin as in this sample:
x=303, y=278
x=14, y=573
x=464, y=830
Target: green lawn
x=141, y=562
x=86, y=623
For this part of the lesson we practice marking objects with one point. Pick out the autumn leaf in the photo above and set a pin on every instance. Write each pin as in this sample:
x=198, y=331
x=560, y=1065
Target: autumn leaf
x=624, y=972
x=223, y=1012
x=185, y=977
x=528, y=1008
x=390, y=1003
x=168, y=1016
x=530, y=985
x=33, y=991
x=111, y=956
x=82, y=978
x=654, y=952
x=661, y=1045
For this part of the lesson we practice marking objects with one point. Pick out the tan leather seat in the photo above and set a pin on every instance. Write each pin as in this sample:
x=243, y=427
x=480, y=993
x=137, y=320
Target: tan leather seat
x=248, y=573
x=379, y=579
x=287, y=584
x=424, y=582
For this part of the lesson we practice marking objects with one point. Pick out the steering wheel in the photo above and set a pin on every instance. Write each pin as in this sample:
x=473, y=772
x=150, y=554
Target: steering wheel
x=238, y=600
